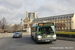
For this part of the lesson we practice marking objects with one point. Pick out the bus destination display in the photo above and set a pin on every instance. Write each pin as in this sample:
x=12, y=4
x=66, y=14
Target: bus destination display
x=48, y=24
x=43, y=24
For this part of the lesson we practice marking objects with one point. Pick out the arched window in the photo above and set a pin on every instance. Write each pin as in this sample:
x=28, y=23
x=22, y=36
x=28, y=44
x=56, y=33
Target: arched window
x=58, y=17
x=70, y=16
x=66, y=16
x=63, y=17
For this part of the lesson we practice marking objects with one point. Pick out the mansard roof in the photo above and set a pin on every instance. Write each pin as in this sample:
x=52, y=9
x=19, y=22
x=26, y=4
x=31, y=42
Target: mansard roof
x=53, y=17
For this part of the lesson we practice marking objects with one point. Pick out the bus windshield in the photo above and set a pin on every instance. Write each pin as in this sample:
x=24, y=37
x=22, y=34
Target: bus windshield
x=46, y=30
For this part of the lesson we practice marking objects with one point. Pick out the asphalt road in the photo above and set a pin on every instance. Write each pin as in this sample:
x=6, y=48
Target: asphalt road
x=26, y=43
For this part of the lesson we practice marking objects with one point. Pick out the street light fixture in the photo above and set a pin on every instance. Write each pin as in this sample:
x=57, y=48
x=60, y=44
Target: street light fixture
x=21, y=25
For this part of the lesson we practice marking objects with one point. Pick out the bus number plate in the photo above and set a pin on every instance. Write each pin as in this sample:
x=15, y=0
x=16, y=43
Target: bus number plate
x=47, y=40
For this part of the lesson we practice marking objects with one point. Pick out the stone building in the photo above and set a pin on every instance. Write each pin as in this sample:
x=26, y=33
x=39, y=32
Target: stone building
x=28, y=21
x=63, y=22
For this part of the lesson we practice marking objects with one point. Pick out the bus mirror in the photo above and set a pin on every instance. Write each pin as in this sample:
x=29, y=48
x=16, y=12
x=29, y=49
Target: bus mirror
x=55, y=26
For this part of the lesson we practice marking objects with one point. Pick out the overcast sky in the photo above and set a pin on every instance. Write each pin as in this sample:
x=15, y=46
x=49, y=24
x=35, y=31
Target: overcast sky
x=14, y=10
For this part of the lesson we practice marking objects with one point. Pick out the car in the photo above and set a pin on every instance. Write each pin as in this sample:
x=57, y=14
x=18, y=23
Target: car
x=17, y=35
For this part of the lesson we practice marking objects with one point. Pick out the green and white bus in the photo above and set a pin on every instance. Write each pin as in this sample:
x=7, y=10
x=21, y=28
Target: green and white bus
x=43, y=32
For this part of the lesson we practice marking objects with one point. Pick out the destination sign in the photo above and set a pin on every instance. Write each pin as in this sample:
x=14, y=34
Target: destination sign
x=40, y=24
x=44, y=24
x=48, y=24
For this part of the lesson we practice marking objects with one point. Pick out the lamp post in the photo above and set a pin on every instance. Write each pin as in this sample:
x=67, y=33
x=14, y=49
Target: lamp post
x=21, y=25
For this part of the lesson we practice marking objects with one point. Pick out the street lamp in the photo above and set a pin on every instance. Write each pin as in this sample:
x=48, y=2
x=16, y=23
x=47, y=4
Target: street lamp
x=21, y=25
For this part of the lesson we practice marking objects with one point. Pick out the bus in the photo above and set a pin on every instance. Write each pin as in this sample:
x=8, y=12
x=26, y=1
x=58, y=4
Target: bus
x=43, y=32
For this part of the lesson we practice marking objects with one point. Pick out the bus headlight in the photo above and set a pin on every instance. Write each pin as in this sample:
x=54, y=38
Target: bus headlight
x=39, y=36
x=54, y=36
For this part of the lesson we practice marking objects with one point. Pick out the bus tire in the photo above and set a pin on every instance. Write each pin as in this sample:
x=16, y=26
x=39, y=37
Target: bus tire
x=32, y=37
x=50, y=42
x=37, y=41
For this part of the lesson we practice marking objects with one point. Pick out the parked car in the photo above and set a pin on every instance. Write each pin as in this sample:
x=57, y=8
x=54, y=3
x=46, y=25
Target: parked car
x=19, y=35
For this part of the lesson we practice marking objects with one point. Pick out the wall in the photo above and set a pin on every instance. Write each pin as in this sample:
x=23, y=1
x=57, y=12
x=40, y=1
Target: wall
x=73, y=22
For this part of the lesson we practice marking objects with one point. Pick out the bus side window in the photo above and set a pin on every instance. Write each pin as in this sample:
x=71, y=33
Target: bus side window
x=40, y=29
x=34, y=29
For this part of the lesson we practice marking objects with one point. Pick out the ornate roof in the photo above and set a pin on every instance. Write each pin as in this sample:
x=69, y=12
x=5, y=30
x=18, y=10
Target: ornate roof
x=53, y=17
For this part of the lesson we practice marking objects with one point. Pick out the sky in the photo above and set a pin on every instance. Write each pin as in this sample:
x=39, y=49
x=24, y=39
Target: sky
x=14, y=10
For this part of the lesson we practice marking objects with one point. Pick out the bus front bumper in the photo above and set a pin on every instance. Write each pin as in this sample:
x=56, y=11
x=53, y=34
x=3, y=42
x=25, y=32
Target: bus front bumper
x=46, y=40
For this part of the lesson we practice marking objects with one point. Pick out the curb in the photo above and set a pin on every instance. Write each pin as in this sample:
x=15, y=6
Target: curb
x=4, y=37
x=65, y=38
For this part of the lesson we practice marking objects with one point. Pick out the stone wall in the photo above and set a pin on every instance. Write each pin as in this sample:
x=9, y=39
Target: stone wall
x=4, y=35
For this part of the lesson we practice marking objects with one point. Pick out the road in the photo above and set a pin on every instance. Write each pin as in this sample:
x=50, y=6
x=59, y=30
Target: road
x=26, y=43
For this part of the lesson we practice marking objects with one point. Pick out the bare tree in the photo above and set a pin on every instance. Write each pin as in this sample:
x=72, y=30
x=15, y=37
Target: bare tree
x=3, y=23
x=15, y=27
x=0, y=24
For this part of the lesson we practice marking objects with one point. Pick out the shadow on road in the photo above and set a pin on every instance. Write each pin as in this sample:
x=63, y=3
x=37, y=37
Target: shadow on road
x=28, y=40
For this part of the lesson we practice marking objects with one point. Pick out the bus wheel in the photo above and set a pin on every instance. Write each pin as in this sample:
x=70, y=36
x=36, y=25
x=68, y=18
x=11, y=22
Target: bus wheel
x=50, y=41
x=37, y=41
x=32, y=37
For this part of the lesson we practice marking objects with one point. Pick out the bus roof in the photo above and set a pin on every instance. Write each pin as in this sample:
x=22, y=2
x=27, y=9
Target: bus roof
x=35, y=24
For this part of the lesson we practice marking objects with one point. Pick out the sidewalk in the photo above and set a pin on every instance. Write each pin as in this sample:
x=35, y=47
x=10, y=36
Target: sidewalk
x=66, y=38
x=5, y=35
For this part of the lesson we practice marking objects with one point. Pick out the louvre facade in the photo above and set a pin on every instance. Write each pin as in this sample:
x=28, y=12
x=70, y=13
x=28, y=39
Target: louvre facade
x=63, y=22
x=28, y=21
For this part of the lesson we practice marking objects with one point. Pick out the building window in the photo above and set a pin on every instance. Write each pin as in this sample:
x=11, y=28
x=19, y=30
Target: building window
x=55, y=21
x=70, y=28
x=67, y=16
x=67, y=28
x=45, y=19
x=70, y=16
x=61, y=17
x=42, y=19
x=67, y=24
x=64, y=17
x=67, y=20
x=61, y=21
x=58, y=17
x=48, y=19
x=51, y=18
x=64, y=21
x=55, y=18
x=70, y=20
x=58, y=21
x=70, y=24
